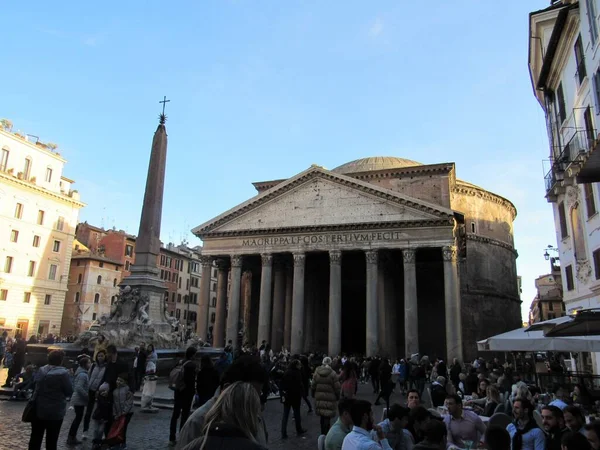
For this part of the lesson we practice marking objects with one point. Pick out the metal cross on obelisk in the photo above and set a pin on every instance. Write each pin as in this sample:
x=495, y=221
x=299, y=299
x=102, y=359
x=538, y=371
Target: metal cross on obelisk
x=163, y=118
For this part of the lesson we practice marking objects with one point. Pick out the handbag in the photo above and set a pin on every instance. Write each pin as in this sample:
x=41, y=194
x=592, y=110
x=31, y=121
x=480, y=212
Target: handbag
x=116, y=435
x=30, y=410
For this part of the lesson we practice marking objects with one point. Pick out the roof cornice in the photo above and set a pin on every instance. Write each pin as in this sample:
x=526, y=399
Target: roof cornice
x=19, y=140
x=492, y=241
x=400, y=171
x=40, y=190
x=482, y=193
x=337, y=227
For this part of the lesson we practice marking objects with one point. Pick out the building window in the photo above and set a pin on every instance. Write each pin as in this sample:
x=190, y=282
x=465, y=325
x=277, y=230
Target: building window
x=590, y=133
x=560, y=101
x=3, y=294
x=19, y=210
x=562, y=306
x=60, y=223
x=47, y=299
x=49, y=175
x=101, y=264
x=551, y=306
x=214, y=302
x=590, y=201
x=473, y=227
x=97, y=298
x=4, y=159
x=115, y=282
x=126, y=265
x=129, y=250
x=569, y=277
x=562, y=217
x=31, y=271
x=27, y=168
x=214, y=287
x=597, y=90
x=596, y=256
x=26, y=297
x=591, y=15
x=185, y=313
x=94, y=315
x=173, y=297
x=52, y=273
x=179, y=282
x=99, y=279
x=36, y=241
x=178, y=298
x=187, y=284
x=178, y=313
x=77, y=295
x=14, y=235
x=79, y=278
x=8, y=263
x=56, y=246
x=112, y=300
x=580, y=60
x=40, y=217
x=212, y=317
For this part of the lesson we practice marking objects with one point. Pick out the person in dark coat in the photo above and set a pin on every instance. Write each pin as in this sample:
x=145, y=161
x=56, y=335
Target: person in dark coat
x=19, y=349
x=374, y=374
x=385, y=378
x=185, y=397
x=442, y=370
x=140, y=368
x=455, y=370
x=52, y=388
x=207, y=380
x=306, y=376
x=292, y=390
x=471, y=382
x=114, y=367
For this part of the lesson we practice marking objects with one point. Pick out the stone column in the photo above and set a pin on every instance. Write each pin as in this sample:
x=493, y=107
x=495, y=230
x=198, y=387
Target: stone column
x=278, y=306
x=297, y=340
x=382, y=308
x=372, y=306
x=221, y=311
x=264, y=309
x=452, y=302
x=411, y=317
x=246, y=299
x=335, y=303
x=233, y=315
x=289, y=292
x=204, y=301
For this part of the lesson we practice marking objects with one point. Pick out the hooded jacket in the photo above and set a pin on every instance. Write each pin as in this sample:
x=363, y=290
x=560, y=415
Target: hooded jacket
x=81, y=387
x=52, y=388
x=326, y=391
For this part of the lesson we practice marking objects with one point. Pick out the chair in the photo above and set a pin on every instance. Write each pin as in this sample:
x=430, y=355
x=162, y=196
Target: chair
x=501, y=408
x=500, y=419
x=321, y=442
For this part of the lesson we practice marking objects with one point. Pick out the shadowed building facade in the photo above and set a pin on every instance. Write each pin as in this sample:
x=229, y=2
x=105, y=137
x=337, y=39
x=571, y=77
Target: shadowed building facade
x=380, y=255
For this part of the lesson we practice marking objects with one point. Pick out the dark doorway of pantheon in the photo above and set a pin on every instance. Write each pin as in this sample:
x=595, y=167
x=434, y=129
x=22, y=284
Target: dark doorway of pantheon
x=354, y=302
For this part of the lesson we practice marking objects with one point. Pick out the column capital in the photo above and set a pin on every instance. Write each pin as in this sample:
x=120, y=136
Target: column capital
x=266, y=258
x=335, y=256
x=299, y=258
x=408, y=255
x=236, y=260
x=205, y=260
x=371, y=256
x=222, y=263
x=449, y=253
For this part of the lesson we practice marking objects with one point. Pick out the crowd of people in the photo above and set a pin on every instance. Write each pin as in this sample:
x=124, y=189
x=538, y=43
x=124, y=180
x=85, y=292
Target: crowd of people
x=485, y=404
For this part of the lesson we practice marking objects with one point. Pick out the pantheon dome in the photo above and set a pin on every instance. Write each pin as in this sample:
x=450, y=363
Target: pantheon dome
x=381, y=255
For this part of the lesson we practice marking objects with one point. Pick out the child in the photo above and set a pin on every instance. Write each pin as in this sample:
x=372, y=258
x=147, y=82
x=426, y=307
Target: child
x=101, y=416
x=122, y=405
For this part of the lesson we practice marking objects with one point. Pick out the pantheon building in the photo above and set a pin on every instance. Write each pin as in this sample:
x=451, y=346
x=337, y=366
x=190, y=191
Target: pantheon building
x=381, y=255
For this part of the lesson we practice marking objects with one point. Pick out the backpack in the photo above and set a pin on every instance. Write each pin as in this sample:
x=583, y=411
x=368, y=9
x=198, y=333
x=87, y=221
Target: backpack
x=176, y=378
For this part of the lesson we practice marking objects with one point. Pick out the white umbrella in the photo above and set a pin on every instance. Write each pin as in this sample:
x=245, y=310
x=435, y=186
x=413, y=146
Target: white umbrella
x=522, y=340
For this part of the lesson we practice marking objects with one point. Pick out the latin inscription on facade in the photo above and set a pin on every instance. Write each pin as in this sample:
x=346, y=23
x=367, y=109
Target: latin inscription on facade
x=335, y=238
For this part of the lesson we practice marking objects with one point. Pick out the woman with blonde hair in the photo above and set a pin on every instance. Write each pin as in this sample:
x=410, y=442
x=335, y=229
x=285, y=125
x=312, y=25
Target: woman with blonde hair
x=232, y=422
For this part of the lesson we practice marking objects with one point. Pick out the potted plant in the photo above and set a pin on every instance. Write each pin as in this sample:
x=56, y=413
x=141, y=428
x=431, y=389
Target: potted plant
x=6, y=124
x=33, y=179
x=52, y=146
x=20, y=175
x=11, y=170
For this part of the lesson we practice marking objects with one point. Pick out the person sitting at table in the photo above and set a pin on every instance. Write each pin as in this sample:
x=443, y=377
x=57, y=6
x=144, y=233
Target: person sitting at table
x=524, y=431
x=435, y=436
x=554, y=426
x=482, y=390
x=581, y=395
x=413, y=399
x=486, y=405
x=462, y=425
x=497, y=438
x=417, y=419
x=575, y=441
x=561, y=397
x=394, y=427
x=574, y=419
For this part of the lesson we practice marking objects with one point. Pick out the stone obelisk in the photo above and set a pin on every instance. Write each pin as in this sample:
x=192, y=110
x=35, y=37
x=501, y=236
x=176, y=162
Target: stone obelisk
x=144, y=271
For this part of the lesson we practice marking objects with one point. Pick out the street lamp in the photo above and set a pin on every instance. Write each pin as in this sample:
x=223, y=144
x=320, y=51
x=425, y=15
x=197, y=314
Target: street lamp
x=547, y=255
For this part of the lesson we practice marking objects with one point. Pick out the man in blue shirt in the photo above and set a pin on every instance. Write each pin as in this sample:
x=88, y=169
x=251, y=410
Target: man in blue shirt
x=524, y=432
x=360, y=437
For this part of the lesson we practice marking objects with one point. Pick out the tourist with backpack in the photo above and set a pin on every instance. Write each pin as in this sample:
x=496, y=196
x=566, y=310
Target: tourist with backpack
x=182, y=380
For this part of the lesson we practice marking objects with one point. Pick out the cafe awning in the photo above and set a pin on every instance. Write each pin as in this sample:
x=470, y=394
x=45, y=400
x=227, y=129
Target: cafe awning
x=524, y=340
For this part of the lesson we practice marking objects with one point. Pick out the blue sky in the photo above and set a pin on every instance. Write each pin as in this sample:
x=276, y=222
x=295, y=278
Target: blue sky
x=261, y=90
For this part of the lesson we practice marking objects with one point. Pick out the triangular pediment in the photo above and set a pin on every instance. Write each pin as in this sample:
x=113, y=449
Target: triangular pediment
x=317, y=198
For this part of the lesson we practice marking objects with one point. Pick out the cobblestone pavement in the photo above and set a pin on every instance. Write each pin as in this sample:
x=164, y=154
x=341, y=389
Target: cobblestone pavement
x=151, y=431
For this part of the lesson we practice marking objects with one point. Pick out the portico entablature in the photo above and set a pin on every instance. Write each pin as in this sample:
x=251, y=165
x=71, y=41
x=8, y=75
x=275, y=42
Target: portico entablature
x=294, y=241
